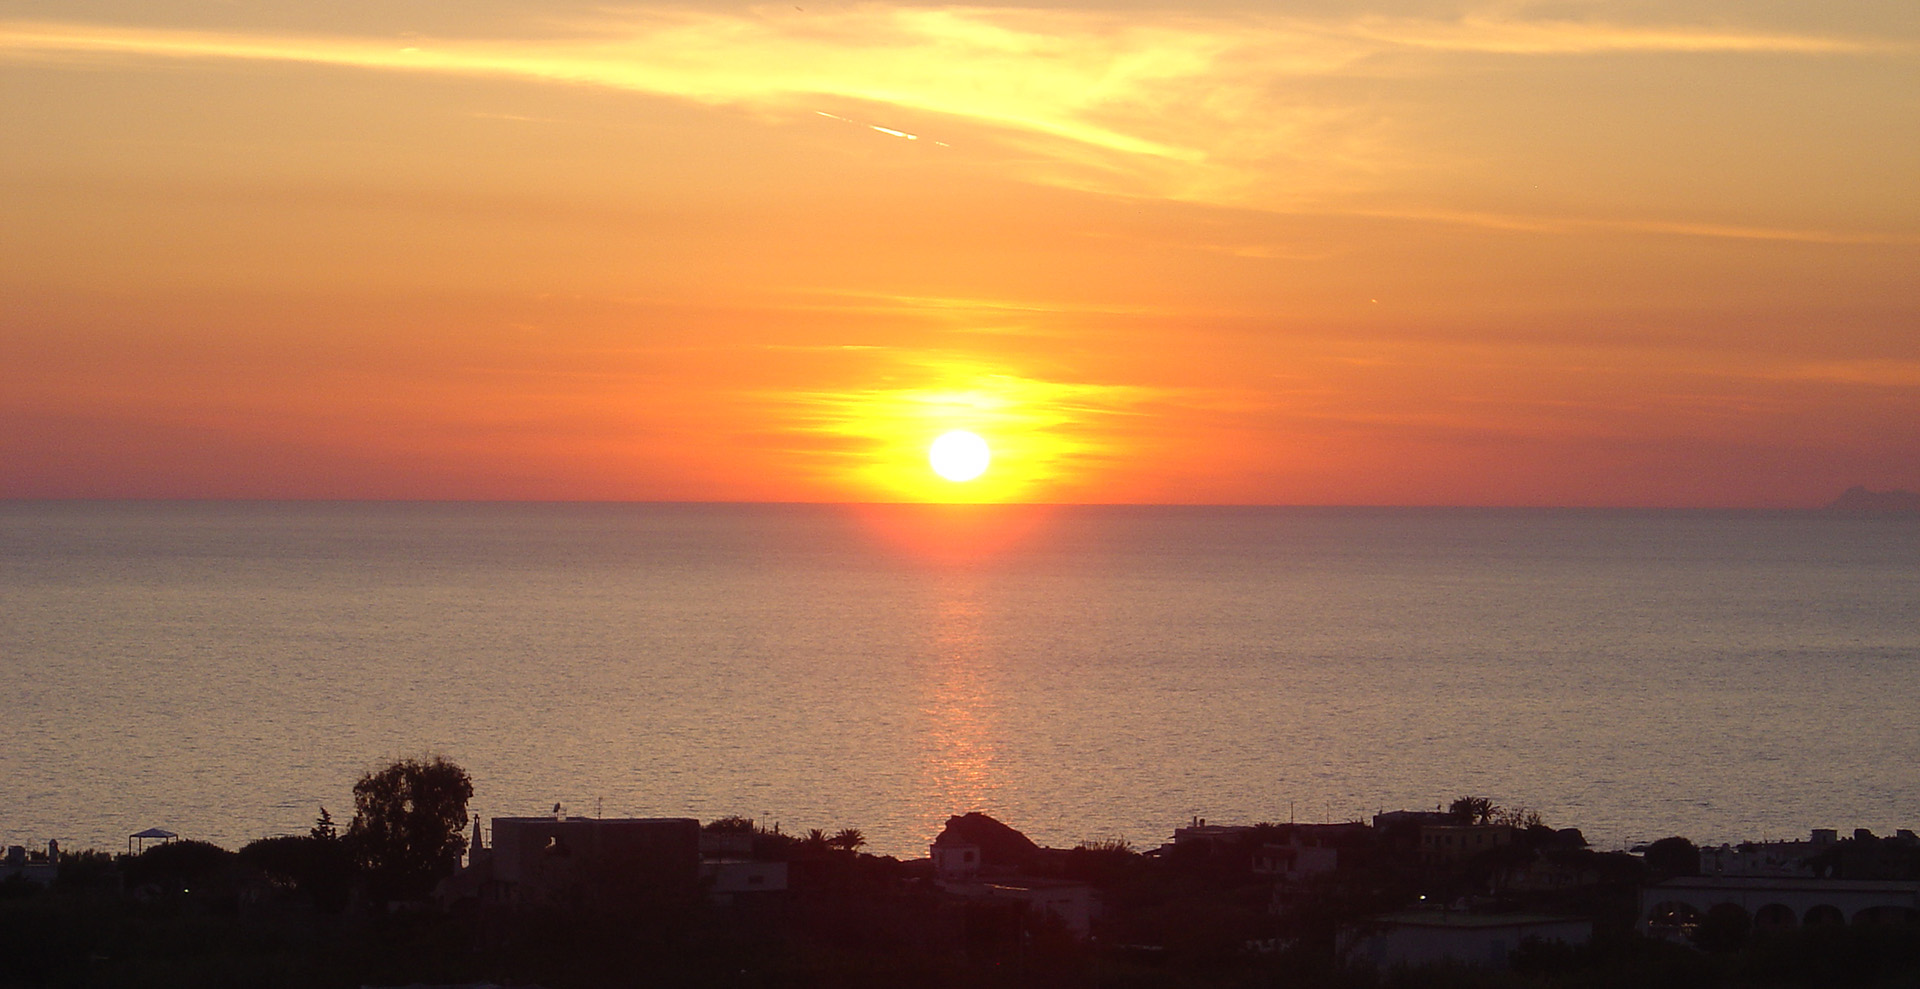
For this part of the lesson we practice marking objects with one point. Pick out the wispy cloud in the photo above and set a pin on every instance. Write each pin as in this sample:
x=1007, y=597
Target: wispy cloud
x=1563, y=224
x=1197, y=108
x=1502, y=36
x=1879, y=373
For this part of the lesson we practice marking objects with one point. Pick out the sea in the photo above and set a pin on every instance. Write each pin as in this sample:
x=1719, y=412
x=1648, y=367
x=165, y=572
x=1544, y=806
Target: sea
x=225, y=670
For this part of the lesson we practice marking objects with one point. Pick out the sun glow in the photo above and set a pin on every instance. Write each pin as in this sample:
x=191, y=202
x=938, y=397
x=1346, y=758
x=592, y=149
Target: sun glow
x=1003, y=437
x=959, y=455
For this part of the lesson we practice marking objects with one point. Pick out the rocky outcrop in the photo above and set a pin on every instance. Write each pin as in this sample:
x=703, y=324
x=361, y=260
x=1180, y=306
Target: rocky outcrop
x=1000, y=846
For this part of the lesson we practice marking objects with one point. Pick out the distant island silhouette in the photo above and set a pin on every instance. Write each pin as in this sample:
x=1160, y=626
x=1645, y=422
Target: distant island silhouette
x=1859, y=499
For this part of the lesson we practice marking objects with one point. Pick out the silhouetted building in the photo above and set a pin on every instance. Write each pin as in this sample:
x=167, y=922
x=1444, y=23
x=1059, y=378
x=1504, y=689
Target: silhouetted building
x=554, y=859
x=1307, y=849
x=38, y=868
x=1424, y=938
x=955, y=860
x=1291, y=861
x=725, y=879
x=1450, y=844
x=1067, y=901
x=1212, y=838
x=726, y=845
x=1551, y=870
x=1676, y=907
x=982, y=860
x=1411, y=818
x=1767, y=858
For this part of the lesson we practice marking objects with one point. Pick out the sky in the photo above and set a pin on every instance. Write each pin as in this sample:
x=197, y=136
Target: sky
x=1396, y=253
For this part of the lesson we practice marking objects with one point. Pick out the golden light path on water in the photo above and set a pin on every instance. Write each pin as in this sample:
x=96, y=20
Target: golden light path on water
x=959, y=761
x=960, y=691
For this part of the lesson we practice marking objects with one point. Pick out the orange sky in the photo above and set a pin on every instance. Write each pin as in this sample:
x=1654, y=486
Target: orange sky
x=1494, y=253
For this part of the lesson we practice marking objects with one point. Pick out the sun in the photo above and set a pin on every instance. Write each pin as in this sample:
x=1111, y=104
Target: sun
x=959, y=455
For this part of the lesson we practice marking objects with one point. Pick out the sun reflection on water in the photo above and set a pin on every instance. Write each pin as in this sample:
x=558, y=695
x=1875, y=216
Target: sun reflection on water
x=954, y=535
x=960, y=702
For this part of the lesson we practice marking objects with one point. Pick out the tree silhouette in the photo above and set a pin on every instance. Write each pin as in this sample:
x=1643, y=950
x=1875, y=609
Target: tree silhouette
x=847, y=839
x=323, y=828
x=1675, y=856
x=318, y=863
x=1521, y=818
x=1473, y=810
x=408, y=826
x=178, y=866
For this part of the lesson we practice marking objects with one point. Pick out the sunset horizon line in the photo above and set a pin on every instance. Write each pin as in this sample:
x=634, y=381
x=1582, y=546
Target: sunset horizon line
x=984, y=506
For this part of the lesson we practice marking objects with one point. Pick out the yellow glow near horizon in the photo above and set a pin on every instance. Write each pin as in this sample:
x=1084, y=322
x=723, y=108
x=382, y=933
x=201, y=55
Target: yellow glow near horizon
x=871, y=445
x=959, y=455
x=1018, y=412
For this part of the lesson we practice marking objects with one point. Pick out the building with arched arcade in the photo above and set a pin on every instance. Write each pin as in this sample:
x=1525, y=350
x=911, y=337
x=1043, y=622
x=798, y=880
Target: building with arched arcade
x=1677, y=906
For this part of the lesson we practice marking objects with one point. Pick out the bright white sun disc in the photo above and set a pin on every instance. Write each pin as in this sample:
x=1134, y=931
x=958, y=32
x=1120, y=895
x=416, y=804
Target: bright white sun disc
x=959, y=455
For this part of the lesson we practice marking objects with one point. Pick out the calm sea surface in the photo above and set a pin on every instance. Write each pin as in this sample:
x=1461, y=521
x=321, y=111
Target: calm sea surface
x=225, y=669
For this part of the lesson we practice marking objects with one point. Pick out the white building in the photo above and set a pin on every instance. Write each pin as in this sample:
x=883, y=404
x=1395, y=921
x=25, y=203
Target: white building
x=1065, y=900
x=1676, y=907
x=1778, y=859
x=725, y=879
x=1307, y=850
x=955, y=860
x=958, y=870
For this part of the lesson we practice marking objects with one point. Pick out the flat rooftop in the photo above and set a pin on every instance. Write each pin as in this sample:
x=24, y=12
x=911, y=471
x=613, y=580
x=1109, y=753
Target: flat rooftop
x=1790, y=883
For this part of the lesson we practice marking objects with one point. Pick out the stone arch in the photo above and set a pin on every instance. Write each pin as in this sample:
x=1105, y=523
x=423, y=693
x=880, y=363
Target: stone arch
x=1885, y=915
x=1674, y=918
x=1724, y=928
x=1775, y=917
x=1824, y=915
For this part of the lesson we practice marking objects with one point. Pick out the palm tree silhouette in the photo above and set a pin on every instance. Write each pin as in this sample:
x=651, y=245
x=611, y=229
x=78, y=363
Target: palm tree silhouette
x=1473, y=810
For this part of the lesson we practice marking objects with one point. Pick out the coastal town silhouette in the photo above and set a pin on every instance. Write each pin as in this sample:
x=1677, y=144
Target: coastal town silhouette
x=415, y=890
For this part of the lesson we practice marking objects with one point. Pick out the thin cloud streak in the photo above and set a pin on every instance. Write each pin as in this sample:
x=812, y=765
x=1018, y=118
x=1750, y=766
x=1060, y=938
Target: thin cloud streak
x=1564, y=224
x=1506, y=37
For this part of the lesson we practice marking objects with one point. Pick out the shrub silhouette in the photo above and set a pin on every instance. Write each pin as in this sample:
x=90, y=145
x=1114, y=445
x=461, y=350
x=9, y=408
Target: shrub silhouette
x=178, y=866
